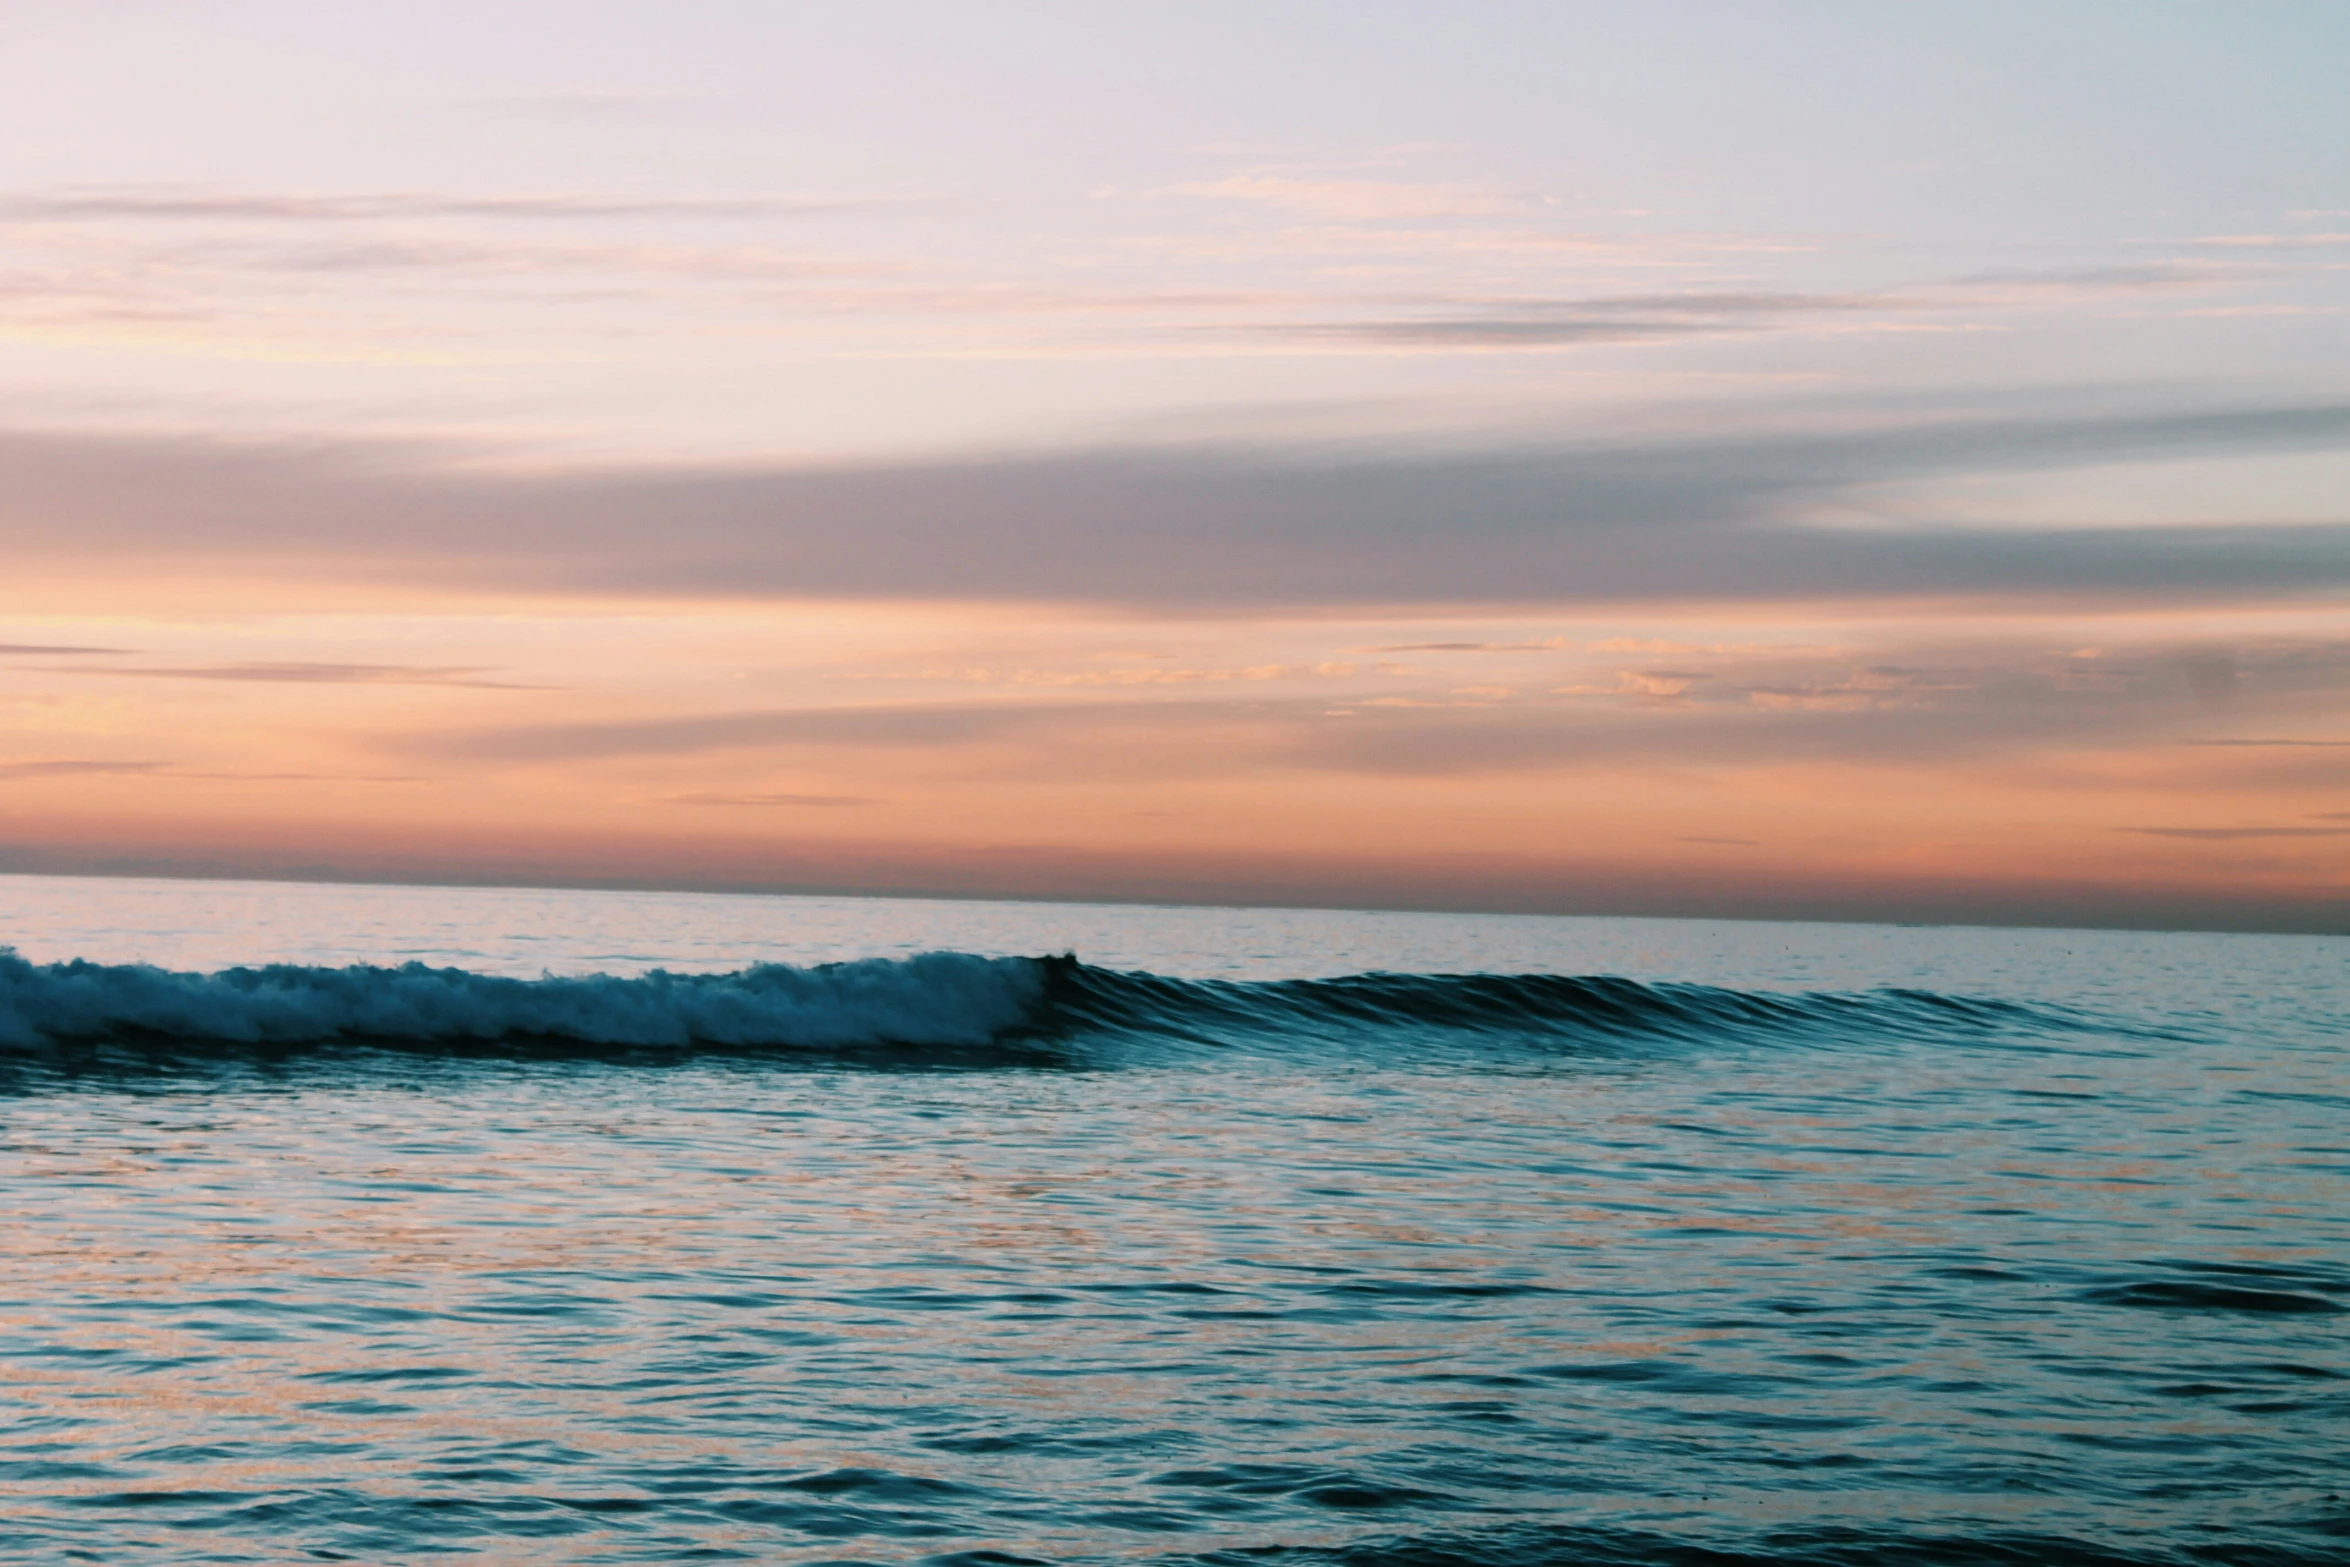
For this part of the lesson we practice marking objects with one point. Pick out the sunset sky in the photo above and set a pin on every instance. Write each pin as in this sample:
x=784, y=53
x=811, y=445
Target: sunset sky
x=1830, y=459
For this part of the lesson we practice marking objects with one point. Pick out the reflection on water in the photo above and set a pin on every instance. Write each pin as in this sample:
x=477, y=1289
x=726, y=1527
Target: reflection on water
x=1839, y=1304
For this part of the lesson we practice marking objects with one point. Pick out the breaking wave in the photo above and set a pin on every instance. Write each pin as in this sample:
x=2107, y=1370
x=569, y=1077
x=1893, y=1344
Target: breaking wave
x=940, y=998
x=940, y=1001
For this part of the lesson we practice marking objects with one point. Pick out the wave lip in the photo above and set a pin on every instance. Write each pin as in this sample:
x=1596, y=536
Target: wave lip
x=1598, y=1009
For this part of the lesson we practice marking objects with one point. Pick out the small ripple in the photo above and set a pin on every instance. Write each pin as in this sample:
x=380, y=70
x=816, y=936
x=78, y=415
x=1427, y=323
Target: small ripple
x=1667, y=1376
x=1603, y=1546
x=2185, y=1296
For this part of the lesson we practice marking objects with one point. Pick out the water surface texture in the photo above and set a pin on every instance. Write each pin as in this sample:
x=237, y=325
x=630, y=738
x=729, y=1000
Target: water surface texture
x=402, y=1225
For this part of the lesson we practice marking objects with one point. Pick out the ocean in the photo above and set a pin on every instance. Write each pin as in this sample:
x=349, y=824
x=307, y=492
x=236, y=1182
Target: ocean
x=415, y=1224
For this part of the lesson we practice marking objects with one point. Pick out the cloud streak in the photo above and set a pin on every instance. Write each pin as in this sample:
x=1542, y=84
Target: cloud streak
x=1618, y=318
x=797, y=801
x=1629, y=318
x=1498, y=332
x=52, y=650
x=1216, y=527
x=181, y=204
x=74, y=768
x=323, y=674
x=2231, y=834
x=1934, y=705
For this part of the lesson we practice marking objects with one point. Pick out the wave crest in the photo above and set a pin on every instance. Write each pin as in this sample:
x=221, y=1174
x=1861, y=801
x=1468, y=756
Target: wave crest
x=944, y=1000
x=939, y=998
x=1596, y=1007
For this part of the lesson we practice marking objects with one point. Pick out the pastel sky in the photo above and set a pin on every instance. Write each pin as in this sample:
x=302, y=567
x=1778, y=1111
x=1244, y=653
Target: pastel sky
x=1808, y=460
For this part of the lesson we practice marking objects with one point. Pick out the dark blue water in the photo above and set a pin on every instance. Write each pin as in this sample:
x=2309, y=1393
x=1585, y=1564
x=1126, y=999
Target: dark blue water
x=1254, y=1238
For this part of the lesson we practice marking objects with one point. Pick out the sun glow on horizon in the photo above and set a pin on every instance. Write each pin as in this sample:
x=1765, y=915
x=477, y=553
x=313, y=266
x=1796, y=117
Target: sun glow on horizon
x=1187, y=452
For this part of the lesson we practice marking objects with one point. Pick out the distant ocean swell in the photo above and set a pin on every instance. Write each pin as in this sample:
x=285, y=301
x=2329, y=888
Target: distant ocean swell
x=940, y=1000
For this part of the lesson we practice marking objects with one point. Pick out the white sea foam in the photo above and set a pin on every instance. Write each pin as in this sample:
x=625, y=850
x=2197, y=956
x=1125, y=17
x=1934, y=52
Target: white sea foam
x=939, y=998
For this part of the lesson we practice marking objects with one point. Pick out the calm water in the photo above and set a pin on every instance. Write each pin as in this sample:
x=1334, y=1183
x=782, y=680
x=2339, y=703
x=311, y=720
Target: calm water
x=1775, y=1242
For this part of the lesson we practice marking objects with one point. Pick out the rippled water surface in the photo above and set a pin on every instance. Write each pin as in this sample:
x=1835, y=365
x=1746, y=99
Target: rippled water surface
x=1779, y=1243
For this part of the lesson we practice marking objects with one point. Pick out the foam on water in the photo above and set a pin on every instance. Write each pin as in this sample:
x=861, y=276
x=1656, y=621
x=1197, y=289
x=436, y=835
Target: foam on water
x=940, y=998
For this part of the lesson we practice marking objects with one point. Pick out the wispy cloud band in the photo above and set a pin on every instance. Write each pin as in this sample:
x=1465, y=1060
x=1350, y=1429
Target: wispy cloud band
x=1720, y=517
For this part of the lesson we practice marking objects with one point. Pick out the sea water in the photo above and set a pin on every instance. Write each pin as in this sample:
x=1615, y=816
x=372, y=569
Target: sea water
x=418, y=1224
